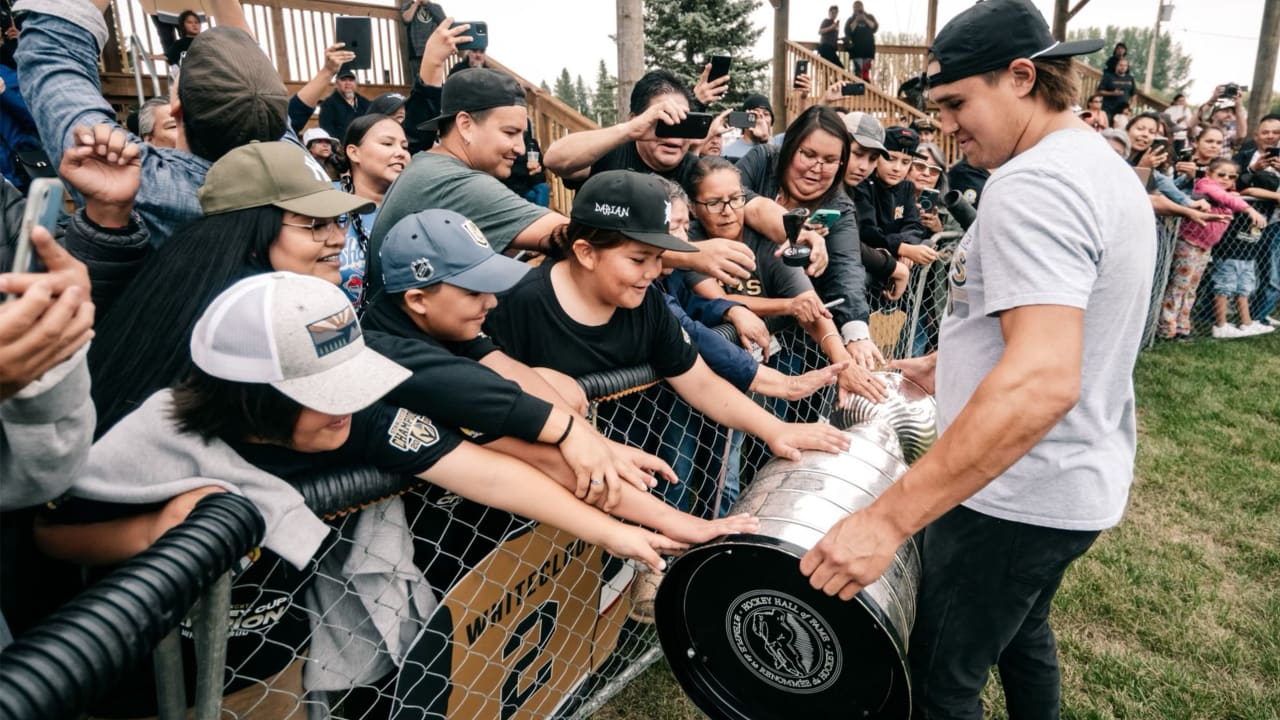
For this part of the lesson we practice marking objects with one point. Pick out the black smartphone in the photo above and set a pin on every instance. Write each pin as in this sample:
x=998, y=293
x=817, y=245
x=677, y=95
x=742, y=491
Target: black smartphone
x=853, y=88
x=802, y=68
x=1272, y=151
x=356, y=34
x=719, y=67
x=694, y=127
x=929, y=200
x=479, y=34
x=1160, y=145
x=1185, y=155
x=742, y=120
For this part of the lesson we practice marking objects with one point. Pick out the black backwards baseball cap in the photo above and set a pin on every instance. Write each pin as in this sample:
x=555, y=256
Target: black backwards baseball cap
x=994, y=33
x=473, y=90
x=631, y=203
x=901, y=139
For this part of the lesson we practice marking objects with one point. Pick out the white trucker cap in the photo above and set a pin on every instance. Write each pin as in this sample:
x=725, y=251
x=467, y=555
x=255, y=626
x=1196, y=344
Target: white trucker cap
x=298, y=334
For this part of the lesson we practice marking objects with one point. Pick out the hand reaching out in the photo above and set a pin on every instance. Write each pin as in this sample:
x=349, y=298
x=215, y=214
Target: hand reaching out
x=710, y=92
x=107, y=170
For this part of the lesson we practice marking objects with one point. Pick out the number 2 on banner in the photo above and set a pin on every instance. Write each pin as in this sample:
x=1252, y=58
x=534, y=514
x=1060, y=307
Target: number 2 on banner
x=544, y=619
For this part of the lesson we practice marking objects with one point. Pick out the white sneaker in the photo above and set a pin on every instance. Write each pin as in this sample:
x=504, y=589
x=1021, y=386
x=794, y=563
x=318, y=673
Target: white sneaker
x=1256, y=328
x=1270, y=321
x=1227, y=332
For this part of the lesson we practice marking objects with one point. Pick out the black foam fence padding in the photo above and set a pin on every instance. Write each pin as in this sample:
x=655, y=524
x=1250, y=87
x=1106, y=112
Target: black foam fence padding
x=611, y=382
x=347, y=488
x=59, y=667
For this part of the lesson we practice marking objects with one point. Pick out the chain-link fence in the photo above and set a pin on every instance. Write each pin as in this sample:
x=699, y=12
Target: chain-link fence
x=1220, y=280
x=426, y=605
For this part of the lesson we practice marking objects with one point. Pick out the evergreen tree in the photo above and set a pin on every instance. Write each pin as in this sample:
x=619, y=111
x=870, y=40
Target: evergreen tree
x=564, y=89
x=1173, y=66
x=544, y=86
x=681, y=36
x=604, y=103
x=583, y=96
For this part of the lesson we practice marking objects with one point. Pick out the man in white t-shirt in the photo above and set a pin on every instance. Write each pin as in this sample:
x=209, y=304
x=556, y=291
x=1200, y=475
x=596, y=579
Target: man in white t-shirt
x=1048, y=296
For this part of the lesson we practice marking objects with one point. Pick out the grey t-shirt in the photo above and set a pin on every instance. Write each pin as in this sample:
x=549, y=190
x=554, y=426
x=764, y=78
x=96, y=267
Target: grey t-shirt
x=434, y=180
x=1065, y=223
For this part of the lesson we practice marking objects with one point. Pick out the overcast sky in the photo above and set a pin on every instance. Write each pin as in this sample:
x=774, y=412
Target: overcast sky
x=536, y=39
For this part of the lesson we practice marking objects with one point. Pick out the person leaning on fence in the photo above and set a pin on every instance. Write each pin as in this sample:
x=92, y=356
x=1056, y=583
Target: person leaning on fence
x=268, y=206
x=441, y=278
x=866, y=148
x=661, y=97
x=775, y=290
x=1261, y=181
x=886, y=202
x=1143, y=131
x=808, y=173
x=594, y=309
x=1192, y=253
x=228, y=94
x=377, y=153
x=1049, y=294
x=272, y=395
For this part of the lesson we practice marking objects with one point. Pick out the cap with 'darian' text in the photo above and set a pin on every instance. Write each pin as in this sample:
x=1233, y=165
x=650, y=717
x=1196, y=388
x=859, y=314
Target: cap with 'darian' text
x=631, y=203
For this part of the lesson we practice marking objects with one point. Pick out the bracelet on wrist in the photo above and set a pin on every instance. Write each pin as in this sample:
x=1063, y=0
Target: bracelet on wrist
x=565, y=435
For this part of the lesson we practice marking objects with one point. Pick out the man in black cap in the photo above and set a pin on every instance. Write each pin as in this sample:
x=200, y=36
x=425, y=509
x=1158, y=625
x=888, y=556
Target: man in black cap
x=1048, y=299
x=339, y=109
x=760, y=134
x=481, y=125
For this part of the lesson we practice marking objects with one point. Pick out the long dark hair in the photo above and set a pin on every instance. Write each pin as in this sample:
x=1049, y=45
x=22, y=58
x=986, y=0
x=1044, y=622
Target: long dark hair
x=817, y=117
x=141, y=345
x=360, y=127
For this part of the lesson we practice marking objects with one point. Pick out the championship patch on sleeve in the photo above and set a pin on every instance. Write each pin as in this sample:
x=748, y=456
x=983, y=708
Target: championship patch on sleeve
x=410, y=432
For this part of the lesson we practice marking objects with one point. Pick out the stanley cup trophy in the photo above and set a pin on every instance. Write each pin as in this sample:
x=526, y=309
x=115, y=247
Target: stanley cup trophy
x=746, y=635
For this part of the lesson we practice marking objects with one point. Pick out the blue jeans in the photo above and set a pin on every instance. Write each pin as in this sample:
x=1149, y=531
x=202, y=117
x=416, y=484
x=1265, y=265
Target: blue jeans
x=698, y=459
x=986, y=588
x=1267, y=296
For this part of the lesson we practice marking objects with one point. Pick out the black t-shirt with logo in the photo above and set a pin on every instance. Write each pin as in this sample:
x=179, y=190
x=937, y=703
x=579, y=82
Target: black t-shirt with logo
x=268, y=626
x=531, y=326
x=627, y=157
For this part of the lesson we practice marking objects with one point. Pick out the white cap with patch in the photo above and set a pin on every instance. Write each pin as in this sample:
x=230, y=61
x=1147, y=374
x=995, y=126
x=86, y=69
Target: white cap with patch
x=298, y=334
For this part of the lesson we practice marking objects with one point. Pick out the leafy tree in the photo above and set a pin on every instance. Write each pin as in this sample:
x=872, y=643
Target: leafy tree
x=605, y=101
x=681, y=35
x=1173, y=66
x=583, y=97
x=564, y=89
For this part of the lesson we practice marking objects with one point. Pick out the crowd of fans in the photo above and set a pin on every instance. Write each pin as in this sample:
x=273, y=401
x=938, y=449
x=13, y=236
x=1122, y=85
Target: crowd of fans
x=239, y=299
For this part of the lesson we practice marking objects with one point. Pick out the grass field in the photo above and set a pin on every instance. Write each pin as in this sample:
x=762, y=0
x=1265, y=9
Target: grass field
x=1175, y=613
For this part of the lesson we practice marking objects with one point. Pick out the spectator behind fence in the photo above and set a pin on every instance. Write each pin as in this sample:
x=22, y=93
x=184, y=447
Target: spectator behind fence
x=390, y=104
x=595, y=310
x=829, y=36
x=441, y=278
x=228, y=94
x=1051, y=282
x=1145, y=152
x=270, y=395
x=1224, y=110
x=528, y=179
x=1179, y=114
x=1260, y=154
x=268, y=206
x=1117, y=88
x=887, y=213
x=324, y=148
x=346, y=104
x=481, y=126
x=860, y=41
x=1206, y=149
x=929, y=172
x=1094, y=115
x=661, y=97
x=759, y=134
x=156, y=124
x=1195, y=243
x=775, y=289
x=1262, y=181
x=808, y=172
x=865, y=149
x=377, y=153
x=926, y=129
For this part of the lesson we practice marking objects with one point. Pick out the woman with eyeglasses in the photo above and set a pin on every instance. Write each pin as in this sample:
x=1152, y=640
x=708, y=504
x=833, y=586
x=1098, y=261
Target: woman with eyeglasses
x=377, y=151
x=929, y=172
x=267, y=206
x=774, y=290
x=808, y=172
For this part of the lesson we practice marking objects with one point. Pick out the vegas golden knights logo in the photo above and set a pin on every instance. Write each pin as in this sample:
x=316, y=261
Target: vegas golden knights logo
x=411, y=432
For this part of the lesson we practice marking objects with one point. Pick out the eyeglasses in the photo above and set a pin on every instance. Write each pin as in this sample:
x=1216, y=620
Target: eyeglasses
x=322, y=231
x=926, y=168
x=715, y=206
x=812, y=159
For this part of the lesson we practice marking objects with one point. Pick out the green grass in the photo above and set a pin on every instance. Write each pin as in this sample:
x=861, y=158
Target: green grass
x=1175, y=613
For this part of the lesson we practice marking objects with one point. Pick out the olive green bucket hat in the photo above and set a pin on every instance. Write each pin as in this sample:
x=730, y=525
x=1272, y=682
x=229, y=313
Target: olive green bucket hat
x=275, y=173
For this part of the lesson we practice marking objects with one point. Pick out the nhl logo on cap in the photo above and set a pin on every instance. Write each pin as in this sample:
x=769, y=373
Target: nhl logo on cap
x=422, y=269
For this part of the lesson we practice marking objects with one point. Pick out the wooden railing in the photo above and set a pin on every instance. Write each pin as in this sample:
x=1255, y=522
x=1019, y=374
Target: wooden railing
x=295, y=33
x=876, y=101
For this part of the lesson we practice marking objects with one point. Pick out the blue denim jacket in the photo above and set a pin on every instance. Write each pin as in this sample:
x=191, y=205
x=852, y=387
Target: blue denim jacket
x=58, y=67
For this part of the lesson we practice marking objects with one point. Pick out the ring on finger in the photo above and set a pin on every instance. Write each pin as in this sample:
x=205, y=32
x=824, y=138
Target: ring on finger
x=596, y=483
